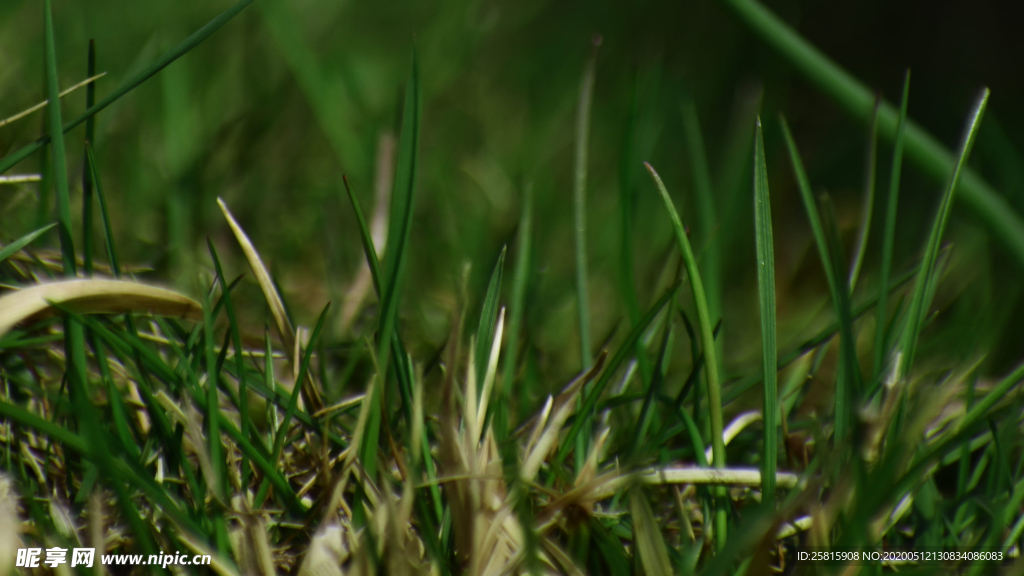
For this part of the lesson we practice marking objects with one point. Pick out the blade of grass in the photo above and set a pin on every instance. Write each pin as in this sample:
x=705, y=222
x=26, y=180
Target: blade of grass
x=520, y=279
x=60, y=175
x=12, y=248
x=108, y=232
x=766, y=292
x=870, y=168
x=920, y=302
x=850, y=381
x=90, y=133
x=711, y=264
x=580, y=221
x=488, y=317
x=217, y=484
x=580, y=202
x=889, y=234
x=627, y=348
x=921, y=147
x=236, y=339
x=707, y=339
x=402, y=205
x=131, y=83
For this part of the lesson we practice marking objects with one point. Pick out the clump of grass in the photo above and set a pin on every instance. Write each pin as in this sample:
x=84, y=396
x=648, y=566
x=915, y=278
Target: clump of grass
x=144, y=419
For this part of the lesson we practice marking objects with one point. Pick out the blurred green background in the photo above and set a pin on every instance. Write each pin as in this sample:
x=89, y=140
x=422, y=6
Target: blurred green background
x=272, y=110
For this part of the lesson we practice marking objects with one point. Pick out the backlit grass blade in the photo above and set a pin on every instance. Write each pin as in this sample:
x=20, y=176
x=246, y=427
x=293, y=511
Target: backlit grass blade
x=12, y=248
x=837, y=287
x=488, y=318
x=707, y=340
x=920, y=302
x=131, y=83
x=922, y=148
x=889, y=232
x=870, y=168
x=766, y=293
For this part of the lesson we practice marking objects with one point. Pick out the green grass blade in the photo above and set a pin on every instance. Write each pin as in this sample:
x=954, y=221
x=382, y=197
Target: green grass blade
x=766, y=293
x=710, y=261
x=922, y=148
x=889, y=233
x=402, y=205
x=653, y=390
x=520, y=279
x=920, y=302
x=626, y=349
x=488, y=319
x=707, y=339
x=108, y=231
x=627, y=275
x=850, y=381
x=60, y=174
x=366, y=236
x=870, y=168
x=218, y=484
x=579, y=200
x=130, y=84
x=90, y=134
x=236, y=340
x=9, y=250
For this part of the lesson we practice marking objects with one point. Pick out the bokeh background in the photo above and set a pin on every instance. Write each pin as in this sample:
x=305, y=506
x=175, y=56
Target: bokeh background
x=272, y=110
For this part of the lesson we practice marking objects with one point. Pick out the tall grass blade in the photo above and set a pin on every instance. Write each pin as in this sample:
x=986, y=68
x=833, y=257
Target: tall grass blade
x=850, y=380
x=626, y=349
x=580, y=202
x=920, y=302
x=707, y=340
x=90, y=134
x=108, y=231
x=922, y=148
x=520, y=279
x=130, y=84
x=870, y=168
x=60, y=175
x=711, y=262
x=12, y=248
x=402, y=206
x=766, y=293
x=236, y=340
x=889, y=232
x=488, y=318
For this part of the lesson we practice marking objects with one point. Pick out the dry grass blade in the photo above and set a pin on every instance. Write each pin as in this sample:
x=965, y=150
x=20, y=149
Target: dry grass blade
x=43, y=104
x=647, y=534
x=284, y=326
x=93, y=297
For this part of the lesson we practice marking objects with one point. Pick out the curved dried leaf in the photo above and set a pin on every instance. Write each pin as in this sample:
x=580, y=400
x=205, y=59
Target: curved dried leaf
x=281, y=322
x=93, y=297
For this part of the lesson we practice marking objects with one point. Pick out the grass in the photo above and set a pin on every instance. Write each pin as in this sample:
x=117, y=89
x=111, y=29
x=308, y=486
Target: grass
x=461, y=431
